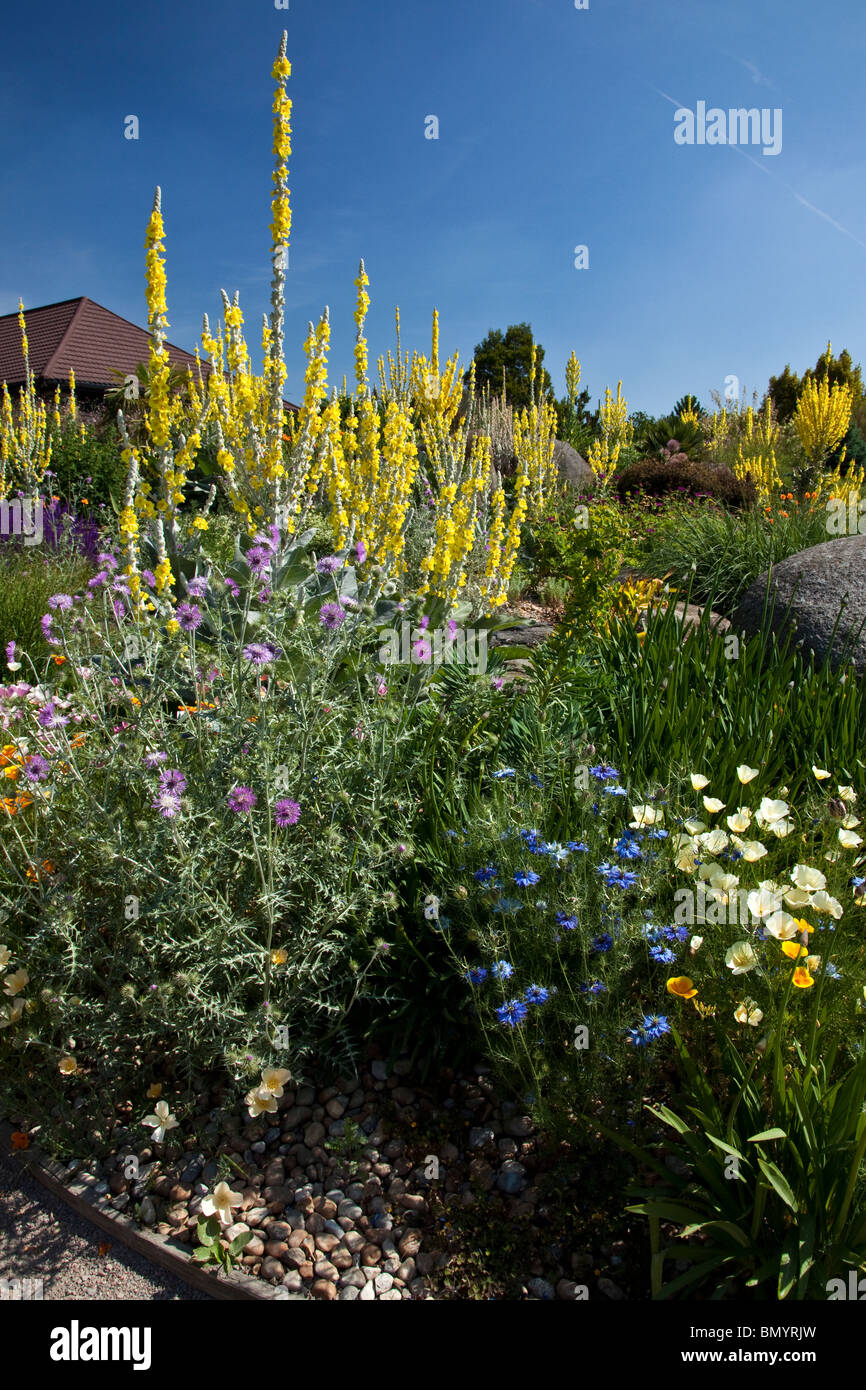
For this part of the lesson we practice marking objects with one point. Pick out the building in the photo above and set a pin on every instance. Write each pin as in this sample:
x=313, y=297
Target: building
x=81, y=336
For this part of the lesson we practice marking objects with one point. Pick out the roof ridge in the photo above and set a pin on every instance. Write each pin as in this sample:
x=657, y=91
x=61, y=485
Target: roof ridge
x=46, y=370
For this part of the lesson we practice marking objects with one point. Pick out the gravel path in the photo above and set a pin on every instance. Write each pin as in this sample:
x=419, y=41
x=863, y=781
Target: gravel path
x=41, y=1238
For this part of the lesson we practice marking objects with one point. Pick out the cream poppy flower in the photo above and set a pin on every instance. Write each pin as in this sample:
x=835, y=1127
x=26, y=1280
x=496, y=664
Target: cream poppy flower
x=746, y=773
x=67, y=1065
x=748, y=1012
x=15, y=1010
x=751, y=850
x=160, y=1122
x=274, y=1079
x=798, y=897
x=695, y=945
x=849, y=839
x=782, y=926
x=764, y=901
x=822, y=902
x=740, y=821
x=5, y=957
x=740, y=958
x=221, y=1203
x=15, y=982
x=685, y=857
x=847, y=794
x=821, y=773
x=694, y=827
x=260, y=1102
x=812, y=963
x=849, y=822
x=699, y=781
x=714, y=841
x=770, y=811
x=646, y=815
x=807, y=878
x=713, y=805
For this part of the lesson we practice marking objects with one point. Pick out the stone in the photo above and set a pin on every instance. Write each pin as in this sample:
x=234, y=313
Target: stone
x=383, y=1282
x=325, y=1270
x=367, y=1294
x=530, y=635
x=326, y=1242
x=306, y=1270
x=572, y=467
x=354, y=1277
x=541, y=1288
x=354, y=1241
x=272, y=1269
x=305, y=1096
x=566, y=1288
x=326, y=1208
x=408, y=1245
x=237, y=1228
x=314, y=1134
x=371, y=1255
x=379, y=1070
x=348, y=1294
x=610, y=1289
x=518, y=1126
x=403, y=1095
x=814, y=582
x=256, y=1247
x=405, y=1271
x=512, y=1177
x=412, y=1201
x=147, y=1211
x=335, y=1108
x=324, y=1289
x=293, y=1282
x=390, y=1296
x=276, y=1248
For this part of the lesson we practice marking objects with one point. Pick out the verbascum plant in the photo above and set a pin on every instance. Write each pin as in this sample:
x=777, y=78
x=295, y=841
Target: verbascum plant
x=822, y=417
x=437, y=395
x=25, y=443
x=534, y=442
x=616, y=432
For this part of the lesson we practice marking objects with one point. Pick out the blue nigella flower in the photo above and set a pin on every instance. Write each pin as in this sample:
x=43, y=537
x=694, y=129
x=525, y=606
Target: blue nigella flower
x=603, y=942
x=502, y=970
x=536, y=994
x=504, y=772
x=477, y=976
x=616, y=791
x=602, y=772
x=536, y=781
x=663, y=955
x=485, y=875
x=831, y=971
x=557, y=852
x=564, y=919
x=577, y=846
x=508, y=905
x=512, y=1013
x=593, y=987
x=525, y=878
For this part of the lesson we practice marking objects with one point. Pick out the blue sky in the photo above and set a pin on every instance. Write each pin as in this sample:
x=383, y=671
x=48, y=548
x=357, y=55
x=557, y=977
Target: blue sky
x=556, y=129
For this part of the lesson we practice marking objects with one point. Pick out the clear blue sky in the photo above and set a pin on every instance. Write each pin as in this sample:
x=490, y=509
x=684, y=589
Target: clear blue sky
x=556, y=129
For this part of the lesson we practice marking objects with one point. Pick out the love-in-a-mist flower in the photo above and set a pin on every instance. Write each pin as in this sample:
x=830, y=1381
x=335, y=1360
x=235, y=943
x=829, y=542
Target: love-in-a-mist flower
x=221, y=1202
x=160, y=1122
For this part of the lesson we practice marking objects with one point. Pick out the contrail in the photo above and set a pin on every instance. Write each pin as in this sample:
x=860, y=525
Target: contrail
x=769, y=172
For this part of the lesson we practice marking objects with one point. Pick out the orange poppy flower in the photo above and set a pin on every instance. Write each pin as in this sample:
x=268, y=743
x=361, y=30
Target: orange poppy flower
x=58, y=660
x=33, y=873
x=13, y=804
x=802, y=978
x=20, y=1140
x=77, y=741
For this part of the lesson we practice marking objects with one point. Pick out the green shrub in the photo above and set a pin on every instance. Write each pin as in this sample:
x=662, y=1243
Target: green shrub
x=659, y=477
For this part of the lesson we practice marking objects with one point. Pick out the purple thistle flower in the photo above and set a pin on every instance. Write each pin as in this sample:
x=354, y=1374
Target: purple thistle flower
x=62, y=602
x=10, y=651
x=196, y=588
x=452, y=629
x=188, y=616
x=258, y=557
x=172, y=780
x=264, y=594
x=49, y=718
x=119, y=608
x=232, y=588
x=497, y=682
x=260, y=653
x=328, y=564
x=106, y=558
x=100, y=578
x=36, y=768
x=167, y=803
x=286, y=812
x=421, y=651
x=149, y=578
x=152, y=760
x=242, y=799
x=360, y=552
x=332, y=616
x=424, y=623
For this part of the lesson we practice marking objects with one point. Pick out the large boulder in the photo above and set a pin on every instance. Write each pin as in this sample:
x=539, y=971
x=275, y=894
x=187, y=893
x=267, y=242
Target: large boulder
x=572, y=467
x=815, y=582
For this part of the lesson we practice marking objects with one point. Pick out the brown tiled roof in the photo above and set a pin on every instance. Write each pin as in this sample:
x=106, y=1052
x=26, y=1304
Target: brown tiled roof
x=81, y=335
x=77, y=334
